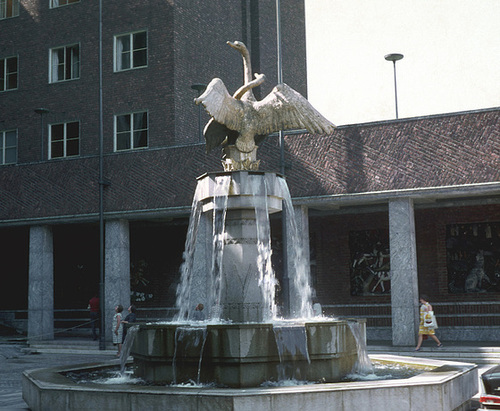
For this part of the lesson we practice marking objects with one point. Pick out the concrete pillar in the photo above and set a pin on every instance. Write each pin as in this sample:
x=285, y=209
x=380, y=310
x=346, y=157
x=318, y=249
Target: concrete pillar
x=404, y=276
x=116, y=270
x=41, y=284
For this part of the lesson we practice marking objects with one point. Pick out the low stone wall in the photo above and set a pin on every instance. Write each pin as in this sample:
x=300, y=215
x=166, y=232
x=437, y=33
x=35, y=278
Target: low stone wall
x=244, y=355
x=449, y=386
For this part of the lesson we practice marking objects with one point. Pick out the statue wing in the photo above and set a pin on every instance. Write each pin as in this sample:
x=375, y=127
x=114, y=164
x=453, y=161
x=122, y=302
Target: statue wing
x=221, y=105
x=284, y=108
x=216, y=134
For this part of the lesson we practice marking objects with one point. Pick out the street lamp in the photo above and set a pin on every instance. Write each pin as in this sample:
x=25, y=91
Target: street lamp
x=200, y=88
x=394, y=57
x=42, y=112
x=285, y=287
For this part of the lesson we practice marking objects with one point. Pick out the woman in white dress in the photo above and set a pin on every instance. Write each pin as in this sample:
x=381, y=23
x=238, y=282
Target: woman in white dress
x=118, y=328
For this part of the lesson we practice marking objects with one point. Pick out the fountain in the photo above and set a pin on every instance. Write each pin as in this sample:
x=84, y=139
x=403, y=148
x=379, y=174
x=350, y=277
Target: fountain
x=245, y=342
x=242, y=344
x=227, y=261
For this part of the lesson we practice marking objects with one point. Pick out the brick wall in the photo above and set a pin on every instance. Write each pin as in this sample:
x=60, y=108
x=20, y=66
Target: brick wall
x=186, y=45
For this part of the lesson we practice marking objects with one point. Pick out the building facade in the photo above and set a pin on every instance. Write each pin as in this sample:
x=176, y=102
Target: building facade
x=389, y=210
x=90, y=84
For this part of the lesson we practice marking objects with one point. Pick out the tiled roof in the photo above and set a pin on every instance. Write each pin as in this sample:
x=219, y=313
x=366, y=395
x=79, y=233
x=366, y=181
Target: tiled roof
x=414, y=153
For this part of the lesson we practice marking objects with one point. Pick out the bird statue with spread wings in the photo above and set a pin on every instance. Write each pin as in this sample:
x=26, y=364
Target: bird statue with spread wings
x=242, y=121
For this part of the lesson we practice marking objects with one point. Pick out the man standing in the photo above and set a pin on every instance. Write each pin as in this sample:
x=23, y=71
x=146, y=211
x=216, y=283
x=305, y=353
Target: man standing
x=94, y=315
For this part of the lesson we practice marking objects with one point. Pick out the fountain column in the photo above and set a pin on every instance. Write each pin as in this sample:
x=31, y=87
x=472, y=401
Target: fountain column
x=404, y=280
x=241, y=298
x=41, y=284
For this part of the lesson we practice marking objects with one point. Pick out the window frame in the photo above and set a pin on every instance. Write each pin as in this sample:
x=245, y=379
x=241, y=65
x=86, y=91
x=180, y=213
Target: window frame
x=52, y=51
x=14, y=9
x=3, y=87
x=3, y=147
x=68, y=2
x=117, y=62
x=131, y=131
x=64, y=140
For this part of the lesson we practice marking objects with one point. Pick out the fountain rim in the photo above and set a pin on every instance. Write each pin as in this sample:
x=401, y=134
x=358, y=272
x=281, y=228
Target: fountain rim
x=53, y=378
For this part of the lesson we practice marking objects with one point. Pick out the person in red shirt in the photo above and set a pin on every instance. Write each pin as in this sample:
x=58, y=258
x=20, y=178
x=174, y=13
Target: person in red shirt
x=94, y=315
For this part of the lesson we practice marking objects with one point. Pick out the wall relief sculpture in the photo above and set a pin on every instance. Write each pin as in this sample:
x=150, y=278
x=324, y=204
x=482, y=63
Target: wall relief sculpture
x=370, y=262
x=473, y=257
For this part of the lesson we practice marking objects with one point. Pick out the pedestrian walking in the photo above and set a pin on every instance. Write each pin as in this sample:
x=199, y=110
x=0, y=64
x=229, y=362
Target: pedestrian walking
x=425, y=329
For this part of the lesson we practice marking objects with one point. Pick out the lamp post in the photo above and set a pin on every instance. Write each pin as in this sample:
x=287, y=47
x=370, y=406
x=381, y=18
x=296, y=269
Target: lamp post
x=102, y=289
x=200, y=88
x=42, y=112
x=394, y=57
x=284, y=232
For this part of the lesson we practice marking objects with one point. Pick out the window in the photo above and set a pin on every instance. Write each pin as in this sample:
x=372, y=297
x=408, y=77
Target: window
x=8, y=73
x=64, y=63
x=131, y=131
x=8, y=147
x=64, y=140
x=131, y=51
x=57, y=3
x=9, y=8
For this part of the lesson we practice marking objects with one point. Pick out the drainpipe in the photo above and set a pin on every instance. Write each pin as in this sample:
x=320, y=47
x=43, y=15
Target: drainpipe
x=102, y=334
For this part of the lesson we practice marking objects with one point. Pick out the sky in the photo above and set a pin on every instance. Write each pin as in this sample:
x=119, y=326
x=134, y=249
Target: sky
x=451, y=58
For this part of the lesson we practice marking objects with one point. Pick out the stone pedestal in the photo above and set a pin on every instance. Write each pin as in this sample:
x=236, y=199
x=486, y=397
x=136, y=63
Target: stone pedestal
x=243, y=355
x=235, y=160
x=41, y=284
x=404, y=281
x=241, y=296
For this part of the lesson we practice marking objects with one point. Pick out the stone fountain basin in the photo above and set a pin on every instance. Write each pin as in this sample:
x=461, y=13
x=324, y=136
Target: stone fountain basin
x=448, y=386
x=245, y=355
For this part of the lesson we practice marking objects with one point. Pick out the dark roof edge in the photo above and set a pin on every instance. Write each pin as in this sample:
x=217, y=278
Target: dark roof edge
x=430, y=116
x=156, y=213
x=422, y=194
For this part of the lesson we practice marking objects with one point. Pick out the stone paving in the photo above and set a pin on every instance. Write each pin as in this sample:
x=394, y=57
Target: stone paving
x=15, y=358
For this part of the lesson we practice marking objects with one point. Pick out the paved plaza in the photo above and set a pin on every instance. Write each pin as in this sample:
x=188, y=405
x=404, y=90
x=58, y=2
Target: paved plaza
x=16, y=357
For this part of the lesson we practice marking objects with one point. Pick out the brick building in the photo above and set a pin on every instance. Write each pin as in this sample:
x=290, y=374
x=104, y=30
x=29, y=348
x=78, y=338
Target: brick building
x=394, y=208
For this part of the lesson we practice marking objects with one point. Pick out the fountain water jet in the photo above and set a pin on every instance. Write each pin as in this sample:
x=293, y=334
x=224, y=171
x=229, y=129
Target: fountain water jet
x=242, y=348
x=234, y=207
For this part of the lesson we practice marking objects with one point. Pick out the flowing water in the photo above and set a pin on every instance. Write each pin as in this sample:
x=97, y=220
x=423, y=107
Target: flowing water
x=183, y=302
x=301, y=292
x=267, y=279
x=127, y=346
x=113, y=376
x=188, y=339
x=290, y=337
x=218, y=227
x=291, y=341
x=363, y=364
